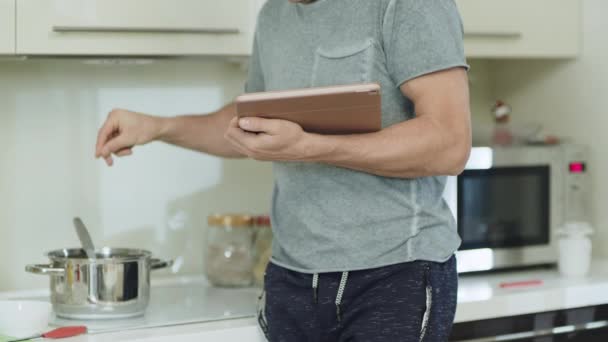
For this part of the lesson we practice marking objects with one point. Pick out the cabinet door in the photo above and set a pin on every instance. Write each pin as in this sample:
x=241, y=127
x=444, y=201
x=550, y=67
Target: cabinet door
x=521, y=28
x=7, y=26
x=134, y=27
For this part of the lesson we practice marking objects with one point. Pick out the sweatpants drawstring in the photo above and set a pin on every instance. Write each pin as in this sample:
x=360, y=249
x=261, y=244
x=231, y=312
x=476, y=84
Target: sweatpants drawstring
x=315, y=287
x=341, y=288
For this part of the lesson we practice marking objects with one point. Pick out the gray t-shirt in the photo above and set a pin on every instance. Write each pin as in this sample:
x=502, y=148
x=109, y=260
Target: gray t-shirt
x=326, y=218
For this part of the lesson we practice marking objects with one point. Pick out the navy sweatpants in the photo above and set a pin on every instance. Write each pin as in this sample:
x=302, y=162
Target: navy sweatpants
x=414, y=301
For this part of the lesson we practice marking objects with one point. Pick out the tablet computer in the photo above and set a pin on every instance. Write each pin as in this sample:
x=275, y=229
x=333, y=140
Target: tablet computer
x=346, y=109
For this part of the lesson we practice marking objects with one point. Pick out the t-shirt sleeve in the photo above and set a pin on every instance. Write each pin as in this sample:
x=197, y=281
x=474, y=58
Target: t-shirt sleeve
x=255, y=77
x=421, y=37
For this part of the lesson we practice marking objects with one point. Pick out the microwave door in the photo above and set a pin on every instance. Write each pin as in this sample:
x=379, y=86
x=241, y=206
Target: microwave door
x=504, y=209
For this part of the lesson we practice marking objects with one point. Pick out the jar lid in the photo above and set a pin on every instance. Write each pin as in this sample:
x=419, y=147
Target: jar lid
x=232, y=220
x=262, y=221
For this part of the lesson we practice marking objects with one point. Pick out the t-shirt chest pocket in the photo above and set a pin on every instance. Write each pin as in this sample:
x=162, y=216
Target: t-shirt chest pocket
x=343, y=64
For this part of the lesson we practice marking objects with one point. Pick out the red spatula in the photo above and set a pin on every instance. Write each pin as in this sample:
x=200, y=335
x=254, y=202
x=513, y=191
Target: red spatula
x=57, y=333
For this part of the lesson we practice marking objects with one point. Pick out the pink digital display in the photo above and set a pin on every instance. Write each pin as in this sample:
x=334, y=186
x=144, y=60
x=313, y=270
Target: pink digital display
x=577, y=167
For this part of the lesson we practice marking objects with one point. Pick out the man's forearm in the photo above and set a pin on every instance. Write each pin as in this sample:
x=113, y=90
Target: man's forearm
x=415, y=148
x=436, y=142
x=203, y=133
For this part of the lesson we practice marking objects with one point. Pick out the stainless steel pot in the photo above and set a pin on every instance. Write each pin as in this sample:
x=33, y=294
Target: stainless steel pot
x=120, y=285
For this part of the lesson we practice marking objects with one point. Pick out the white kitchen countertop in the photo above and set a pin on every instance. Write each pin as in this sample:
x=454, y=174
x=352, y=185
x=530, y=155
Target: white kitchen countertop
x=479, y=297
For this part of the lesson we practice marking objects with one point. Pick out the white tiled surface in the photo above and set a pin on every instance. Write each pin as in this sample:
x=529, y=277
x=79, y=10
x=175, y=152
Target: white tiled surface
x=241, y=330
x=158, y=199
x=185, y=301
x=181, y=309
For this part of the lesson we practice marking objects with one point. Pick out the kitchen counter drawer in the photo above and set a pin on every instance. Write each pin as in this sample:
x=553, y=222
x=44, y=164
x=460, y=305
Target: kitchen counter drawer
x=521, y=28
x=134, y=27
x=585, y=324
x=7, y=27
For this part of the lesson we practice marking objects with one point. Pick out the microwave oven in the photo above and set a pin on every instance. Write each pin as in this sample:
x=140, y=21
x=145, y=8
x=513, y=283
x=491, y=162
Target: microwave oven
x=510, y=201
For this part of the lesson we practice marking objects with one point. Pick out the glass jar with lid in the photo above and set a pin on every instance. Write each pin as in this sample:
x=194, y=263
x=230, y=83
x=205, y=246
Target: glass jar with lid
x=230, y=256
x=263, y=248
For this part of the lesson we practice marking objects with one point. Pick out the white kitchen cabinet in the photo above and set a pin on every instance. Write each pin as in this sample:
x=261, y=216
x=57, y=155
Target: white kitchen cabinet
x=521, y=28
x=135, y=27
x=7, y=27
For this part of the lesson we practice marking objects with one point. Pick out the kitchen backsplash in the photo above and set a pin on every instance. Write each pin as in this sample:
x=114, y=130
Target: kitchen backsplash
x=158, y=199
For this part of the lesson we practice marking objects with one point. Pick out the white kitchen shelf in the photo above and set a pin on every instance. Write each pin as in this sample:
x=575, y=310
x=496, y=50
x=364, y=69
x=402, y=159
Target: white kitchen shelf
x=493, y=28
x=522, y=28
x=7, y=27
x=135, y=27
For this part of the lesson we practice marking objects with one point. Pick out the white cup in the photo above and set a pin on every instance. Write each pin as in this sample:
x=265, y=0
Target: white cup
x=574, y=247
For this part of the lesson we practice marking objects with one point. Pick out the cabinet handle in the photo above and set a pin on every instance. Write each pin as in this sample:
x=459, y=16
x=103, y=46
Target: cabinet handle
x=118, y=29
x=493, y=34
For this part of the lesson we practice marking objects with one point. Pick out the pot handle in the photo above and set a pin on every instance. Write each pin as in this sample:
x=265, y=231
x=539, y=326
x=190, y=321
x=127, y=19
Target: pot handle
x=157, y=264
x=45, y=270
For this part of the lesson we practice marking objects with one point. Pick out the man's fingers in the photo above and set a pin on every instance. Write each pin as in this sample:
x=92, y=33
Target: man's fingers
x=124, y=152
x=116, y=144
x=236, y=134
x=234, y=122
x=268, y=126
x=120, y=153
x=244, y=142
x=105, y=133
x=239, y=147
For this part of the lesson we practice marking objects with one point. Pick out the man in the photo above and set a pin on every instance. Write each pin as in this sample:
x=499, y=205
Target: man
x=364, y=243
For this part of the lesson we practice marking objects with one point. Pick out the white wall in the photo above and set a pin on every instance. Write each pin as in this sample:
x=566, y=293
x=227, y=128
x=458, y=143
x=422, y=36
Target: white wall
x=569, y=98
x=482, y=99
x=158, y=199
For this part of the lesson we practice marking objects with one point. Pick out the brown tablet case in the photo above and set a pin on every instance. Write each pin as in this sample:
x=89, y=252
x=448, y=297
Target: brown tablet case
x=347, y=109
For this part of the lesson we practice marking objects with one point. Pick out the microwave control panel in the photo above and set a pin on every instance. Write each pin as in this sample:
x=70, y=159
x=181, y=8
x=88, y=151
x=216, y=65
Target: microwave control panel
x=576, y=185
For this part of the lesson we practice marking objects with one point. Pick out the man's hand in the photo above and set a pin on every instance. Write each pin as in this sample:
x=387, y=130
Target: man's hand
x=123, y=130
x=269, y=139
